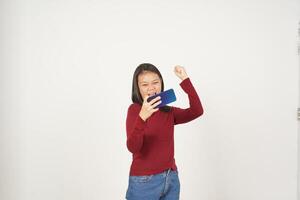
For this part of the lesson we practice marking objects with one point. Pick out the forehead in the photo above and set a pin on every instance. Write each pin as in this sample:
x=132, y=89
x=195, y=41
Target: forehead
x=148, y=76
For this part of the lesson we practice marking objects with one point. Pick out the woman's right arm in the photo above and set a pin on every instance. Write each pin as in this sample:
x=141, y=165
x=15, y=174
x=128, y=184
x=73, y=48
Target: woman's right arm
x=135, y=126
x=136, y=120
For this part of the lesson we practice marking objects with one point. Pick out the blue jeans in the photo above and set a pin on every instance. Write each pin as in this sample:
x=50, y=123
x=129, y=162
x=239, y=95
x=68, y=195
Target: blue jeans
x=163, y=186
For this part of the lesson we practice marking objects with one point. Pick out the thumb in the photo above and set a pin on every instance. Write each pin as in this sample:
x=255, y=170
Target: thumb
x=146, y=97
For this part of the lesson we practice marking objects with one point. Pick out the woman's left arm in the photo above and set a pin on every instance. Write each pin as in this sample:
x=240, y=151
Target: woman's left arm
x=195, y=110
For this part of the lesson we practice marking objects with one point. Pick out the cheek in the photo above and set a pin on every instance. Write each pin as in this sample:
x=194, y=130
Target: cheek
x=159, y=88
x=144, y=94
x=142, y=91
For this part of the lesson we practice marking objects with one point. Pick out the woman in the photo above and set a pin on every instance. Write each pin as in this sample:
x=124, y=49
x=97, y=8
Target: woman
x=150, y=135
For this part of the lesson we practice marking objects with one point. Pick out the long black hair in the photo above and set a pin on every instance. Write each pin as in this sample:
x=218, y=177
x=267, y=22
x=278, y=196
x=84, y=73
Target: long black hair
x=136, y=95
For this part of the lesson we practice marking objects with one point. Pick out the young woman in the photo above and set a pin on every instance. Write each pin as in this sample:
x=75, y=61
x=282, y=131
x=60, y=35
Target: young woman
x=150, y=135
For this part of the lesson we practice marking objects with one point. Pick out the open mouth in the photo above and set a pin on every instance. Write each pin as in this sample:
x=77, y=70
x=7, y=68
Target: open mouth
x=151, y=94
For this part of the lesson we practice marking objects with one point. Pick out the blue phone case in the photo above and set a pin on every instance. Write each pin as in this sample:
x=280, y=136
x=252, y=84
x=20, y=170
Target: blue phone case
x=166, y=97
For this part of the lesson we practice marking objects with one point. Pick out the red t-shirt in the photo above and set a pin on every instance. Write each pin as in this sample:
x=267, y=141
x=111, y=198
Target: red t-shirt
x=152, y=141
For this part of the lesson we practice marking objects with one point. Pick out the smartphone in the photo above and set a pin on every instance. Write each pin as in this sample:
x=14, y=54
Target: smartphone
x=166, y=97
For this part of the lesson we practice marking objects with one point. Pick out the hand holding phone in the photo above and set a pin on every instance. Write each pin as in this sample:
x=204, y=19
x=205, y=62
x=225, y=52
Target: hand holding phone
x=148, y=108
x=166, y=97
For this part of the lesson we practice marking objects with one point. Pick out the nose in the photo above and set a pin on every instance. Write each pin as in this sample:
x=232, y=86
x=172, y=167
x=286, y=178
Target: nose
x=151, y=88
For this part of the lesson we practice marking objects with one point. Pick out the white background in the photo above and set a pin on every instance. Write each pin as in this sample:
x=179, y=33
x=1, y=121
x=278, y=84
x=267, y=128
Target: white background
x=66, y=73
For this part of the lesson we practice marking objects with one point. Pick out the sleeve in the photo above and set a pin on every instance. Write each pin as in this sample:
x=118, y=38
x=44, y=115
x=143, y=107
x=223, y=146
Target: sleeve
x=195, y=110
x=135, y=129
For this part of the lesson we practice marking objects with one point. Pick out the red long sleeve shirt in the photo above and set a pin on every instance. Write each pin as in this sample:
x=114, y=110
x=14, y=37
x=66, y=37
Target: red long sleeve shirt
x=152, y=141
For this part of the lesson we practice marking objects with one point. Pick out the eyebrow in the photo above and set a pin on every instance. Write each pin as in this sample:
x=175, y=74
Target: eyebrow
x=152, y=81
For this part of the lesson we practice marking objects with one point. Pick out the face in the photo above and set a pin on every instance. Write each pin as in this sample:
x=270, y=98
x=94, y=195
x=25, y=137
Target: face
x=149, y=84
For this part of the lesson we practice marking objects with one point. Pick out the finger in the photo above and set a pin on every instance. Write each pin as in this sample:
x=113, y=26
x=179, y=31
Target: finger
x=146, y=97
x=175, y=68
x=156, y=104
x=178, y=70
x=154, y=110
x=154, y=100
